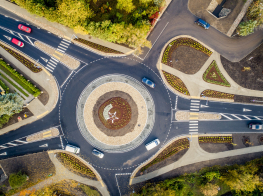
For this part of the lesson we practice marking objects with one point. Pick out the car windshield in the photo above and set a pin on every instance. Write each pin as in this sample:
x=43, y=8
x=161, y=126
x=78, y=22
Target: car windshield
x=27, y=29
x=149, y=82
x=21, y=26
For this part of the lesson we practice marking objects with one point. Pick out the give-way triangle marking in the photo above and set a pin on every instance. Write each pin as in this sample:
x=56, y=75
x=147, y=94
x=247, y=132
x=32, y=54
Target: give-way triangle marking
x=9, y=38
x=246, y=110
x=44, y=59
x=44, y=145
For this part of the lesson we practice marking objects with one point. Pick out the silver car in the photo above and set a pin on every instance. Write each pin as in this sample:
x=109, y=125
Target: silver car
x=97, y=153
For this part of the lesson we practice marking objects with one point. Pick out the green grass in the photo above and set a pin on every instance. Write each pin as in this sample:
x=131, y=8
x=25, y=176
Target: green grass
x=18, y=81
x=13, y=84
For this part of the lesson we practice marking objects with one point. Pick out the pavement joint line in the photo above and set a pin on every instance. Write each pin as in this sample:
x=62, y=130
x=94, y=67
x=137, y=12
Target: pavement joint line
x=226, y=116
x=236, y=117
x=58, y=58
x=42, y=114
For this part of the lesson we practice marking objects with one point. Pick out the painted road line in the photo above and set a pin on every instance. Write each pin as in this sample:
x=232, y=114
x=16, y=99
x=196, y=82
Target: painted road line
x=20, y=36
x=66, y=40
x=52, y=64
x=194, y=109
x=51, y=60
x=194, y=113
x=193, y=118
x=236, y=117
x=195, y=103
x=49, y=69
x=247, y=117
x=50, y=135
x=3, y=147
x=193, y=121
x=30, y=41
x=61, y=51
x=64, y=45
x=21, y=141
x=56, y=56
x=226, y=116
x=47, y=132
x=193, y=130
x=196, y=133
x=193, y=127
x=9, y=143
x=54, y=59
x=62, y=48
x=192, y=106
x=11, y=32
x=193, y=124
x=257, y=117
x=195, y=100
x=67, y=44
x=52, y=68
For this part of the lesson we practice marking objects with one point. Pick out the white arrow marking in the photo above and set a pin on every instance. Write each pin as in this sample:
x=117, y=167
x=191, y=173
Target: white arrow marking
x=9, y=38
x=44, y=145
x=44, y=59
x=204, y=106
x=246, y=110
x=4, y=153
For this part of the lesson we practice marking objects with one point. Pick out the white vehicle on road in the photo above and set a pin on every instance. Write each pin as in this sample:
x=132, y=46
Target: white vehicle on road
x=152, y=144
x=72, y=149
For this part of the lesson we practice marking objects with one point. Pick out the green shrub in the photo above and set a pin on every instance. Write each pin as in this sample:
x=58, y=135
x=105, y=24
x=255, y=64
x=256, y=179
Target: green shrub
x=4, y=119
x=17, y=180
x=6, y=89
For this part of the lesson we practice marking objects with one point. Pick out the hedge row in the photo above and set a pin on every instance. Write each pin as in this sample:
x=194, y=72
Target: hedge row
x=21, y=80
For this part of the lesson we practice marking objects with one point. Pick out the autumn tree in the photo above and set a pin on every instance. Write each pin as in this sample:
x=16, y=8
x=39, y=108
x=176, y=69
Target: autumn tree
x=209, y=189
x=246, y=28
x=125, y=5
x=10, y=104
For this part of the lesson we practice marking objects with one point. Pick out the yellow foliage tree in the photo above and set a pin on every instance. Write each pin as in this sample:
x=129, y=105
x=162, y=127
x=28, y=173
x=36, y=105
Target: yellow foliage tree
x=209, y=189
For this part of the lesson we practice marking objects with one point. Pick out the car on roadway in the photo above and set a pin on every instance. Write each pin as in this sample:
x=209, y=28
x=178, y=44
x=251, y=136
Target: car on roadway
x=255, y=126
x=24, y=28
x=202, y=23
x=148, y=82
x=97, y=153
x=152, y=144
x=73, y=149
x=17, y=42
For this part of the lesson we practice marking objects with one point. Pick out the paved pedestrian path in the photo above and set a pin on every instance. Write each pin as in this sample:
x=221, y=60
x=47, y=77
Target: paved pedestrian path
x=195, y=154
x=196, y=85
x=64, y=174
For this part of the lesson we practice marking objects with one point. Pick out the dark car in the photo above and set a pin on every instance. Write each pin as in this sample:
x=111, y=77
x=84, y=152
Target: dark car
x=24, y=28
x=17, y=42
x=148, y=82
x=202, y=23
x=255, y=126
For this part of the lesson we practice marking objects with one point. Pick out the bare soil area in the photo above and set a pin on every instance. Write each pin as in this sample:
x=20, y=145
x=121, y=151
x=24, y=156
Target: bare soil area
x=188, y=60
x=199, y=9
x=43, y=97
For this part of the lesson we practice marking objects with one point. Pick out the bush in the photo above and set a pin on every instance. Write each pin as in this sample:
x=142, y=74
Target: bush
x=6, y=89
x=4, y=119
x=17, y=180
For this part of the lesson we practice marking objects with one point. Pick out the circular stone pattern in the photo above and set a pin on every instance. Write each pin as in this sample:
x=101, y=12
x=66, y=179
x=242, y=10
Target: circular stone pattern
x=140, y=124
x=115, y=113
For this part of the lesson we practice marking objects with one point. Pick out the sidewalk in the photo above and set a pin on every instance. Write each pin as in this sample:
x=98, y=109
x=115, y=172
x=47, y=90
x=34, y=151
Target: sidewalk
x=195, y=154
x=64, y=174
x=43, y=79
x=61, y=30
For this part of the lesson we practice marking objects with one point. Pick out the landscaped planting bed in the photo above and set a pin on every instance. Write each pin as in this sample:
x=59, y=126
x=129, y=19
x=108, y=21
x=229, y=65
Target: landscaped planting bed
x=172, y=149
x=97, y=46
x=6, y=89
x=215, y=139
x=22, y=59
x=21, y=80
x=74, y=164
x=217, y=94
x=176, y=83
x=121, y=108
x=213, y=75
x=182, y=42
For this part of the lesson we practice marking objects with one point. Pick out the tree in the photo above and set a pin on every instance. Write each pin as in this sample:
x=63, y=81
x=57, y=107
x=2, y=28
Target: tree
x=10, y=104
x=17, y=180
x=125, y=5
x=212, y=175
x=209, y=189
x=246, y=28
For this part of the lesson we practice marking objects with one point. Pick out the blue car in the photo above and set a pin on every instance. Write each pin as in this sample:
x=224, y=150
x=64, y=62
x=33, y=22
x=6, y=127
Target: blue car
x=202, y=23
x=148, y=82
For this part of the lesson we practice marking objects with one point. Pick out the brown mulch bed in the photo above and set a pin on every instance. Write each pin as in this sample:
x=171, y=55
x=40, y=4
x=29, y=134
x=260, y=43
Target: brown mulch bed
x=37, y=166
x=247, y=99
x=44, y=97
x=252, y=79
x=188, y=60
x=238, y=141
x=129, y=126
x=14, y=120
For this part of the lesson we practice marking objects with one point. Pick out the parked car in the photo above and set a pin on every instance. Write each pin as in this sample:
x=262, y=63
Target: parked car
x=24, y=28
x=202, y=23
x=255, y=126
x=17, y=42
x=152, y=144
x=97, y=153
x=73, y=149
x=148, y=82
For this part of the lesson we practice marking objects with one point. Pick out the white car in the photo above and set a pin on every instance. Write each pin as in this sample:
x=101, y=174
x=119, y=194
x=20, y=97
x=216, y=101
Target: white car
x=72, y=149
x=152, y=144
x=97, y=153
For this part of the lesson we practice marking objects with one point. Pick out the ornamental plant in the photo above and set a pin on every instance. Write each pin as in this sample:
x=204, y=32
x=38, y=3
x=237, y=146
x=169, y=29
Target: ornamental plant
x=216, y=139
x=217, y=94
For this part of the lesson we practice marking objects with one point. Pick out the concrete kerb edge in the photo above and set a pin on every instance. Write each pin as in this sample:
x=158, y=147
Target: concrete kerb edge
x=159, y=66
x=90, y=48
x=82, y=160
x=164, y=147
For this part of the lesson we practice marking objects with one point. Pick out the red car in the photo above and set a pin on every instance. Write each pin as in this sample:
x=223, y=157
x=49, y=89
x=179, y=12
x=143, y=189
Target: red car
x=24, y=28
x=17, y=42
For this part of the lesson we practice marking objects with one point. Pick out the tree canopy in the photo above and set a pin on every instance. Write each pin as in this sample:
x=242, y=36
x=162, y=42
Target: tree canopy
x=10, y=104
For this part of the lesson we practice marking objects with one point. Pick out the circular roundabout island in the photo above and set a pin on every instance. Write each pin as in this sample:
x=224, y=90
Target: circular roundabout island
x=115, y=113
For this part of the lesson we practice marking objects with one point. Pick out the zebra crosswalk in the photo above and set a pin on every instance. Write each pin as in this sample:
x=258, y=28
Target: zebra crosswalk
x=193, y=121
x=227, y=116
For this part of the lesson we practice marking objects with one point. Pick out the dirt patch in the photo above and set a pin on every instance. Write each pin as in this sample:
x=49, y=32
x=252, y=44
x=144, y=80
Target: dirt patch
x=22, y=114
x=188, y=60
x=43, y=135
x=252, y=76
x=199, y=9
x=128, y=126
x=183, y=115
x=247, y=99
x=214, y=148
x=43, y=97
x=37, y=166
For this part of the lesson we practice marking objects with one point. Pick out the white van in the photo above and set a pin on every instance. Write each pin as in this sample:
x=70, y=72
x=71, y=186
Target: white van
x=152, y=144
x=72, y=149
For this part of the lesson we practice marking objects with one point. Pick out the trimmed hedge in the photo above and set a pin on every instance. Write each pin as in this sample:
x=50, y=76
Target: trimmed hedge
x=21, y=80
x=6, y=89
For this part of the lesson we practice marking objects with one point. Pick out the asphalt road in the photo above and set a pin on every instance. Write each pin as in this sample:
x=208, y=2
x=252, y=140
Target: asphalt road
x=115, y=168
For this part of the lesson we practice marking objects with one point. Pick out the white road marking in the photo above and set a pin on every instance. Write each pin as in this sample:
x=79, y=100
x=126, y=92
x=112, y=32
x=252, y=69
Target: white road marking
x=11, y=32
x=21, y=141
x=3, y=147
x=64, y=45
x=193, y=121
x=194, y=109
x=20, y=36
x=226, y=116
x=60, y=50
x=52, y=64
x=246, y=117
x=4, y=153
x=195, y=101
x=63, y=48
x=49, y=69
x=67, y=40
x=30, y=41
x=54, y=59
x=11, y=144
x=194, y=130
x=51, y=60
x=193, y=124
x=193, y=127
x=236, y=117
x=194, y=106
x=257, y=118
